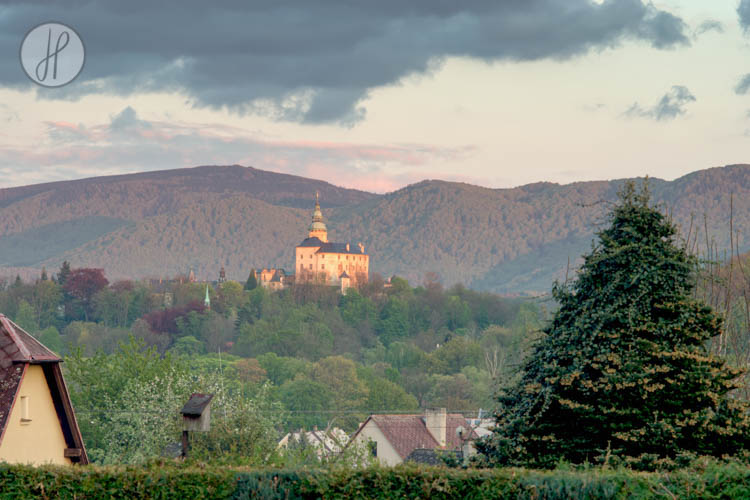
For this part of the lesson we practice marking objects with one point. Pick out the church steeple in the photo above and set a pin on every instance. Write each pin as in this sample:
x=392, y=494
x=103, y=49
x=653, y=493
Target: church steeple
x=318, y=228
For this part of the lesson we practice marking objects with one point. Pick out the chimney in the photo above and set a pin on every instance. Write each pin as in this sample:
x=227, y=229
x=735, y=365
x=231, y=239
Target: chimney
x=361, y=247
x=347, y=247
x=436, y=421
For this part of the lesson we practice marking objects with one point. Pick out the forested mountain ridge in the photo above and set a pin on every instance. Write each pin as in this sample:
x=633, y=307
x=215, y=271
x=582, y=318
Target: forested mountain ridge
x=508, y=240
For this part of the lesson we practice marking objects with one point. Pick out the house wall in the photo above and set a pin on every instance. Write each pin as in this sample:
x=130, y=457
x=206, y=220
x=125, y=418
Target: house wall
x=41, y=439
x=386, y=453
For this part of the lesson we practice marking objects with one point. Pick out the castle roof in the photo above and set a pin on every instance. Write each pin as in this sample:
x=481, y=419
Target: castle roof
x=311, y=242
x=330, y=247
x=339, y=248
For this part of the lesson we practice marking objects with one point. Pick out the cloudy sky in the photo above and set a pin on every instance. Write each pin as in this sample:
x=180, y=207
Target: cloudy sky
x=379, y=94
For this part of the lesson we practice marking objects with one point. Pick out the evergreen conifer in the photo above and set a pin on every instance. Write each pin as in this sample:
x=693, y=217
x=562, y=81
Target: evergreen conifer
x=252, y=281
x=623, y=373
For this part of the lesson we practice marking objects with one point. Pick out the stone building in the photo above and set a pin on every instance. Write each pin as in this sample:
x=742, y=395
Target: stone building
x=319, y=261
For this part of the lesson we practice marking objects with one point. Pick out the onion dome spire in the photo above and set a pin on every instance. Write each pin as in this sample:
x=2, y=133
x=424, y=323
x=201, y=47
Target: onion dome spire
x=318, y=228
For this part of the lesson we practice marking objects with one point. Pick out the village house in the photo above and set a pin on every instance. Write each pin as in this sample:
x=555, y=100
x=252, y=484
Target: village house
x=325, y=443
x=37, y=422
x=394, y=439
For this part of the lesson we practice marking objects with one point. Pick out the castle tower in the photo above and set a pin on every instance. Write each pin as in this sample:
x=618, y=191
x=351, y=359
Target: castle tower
x=318, y=228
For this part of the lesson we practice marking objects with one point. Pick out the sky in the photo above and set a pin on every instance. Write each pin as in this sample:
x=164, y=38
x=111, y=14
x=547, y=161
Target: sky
x=376, y=95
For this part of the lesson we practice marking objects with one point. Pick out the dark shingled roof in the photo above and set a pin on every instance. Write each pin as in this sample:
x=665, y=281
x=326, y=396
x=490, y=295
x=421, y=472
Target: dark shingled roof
x=19, y=349
x=311, y=242
x=339, y=248
x=277, y=275
x=330, y=247
x=196, y=404
x=17, y=346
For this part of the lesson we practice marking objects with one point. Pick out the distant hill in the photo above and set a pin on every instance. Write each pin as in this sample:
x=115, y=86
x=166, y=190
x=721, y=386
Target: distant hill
x=507, y=240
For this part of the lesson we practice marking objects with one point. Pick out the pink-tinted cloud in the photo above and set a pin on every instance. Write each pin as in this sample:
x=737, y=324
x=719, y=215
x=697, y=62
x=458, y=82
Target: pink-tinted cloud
x=128, y=143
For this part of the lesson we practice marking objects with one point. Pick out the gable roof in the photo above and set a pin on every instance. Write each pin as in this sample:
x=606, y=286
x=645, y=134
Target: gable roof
x=196, y=404
x=407, y=433
x=18, y=349
x=17, y=346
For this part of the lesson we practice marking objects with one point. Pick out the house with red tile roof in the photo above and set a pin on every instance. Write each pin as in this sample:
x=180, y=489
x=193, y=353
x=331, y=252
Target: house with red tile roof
x=37, y=422
x=394, y=439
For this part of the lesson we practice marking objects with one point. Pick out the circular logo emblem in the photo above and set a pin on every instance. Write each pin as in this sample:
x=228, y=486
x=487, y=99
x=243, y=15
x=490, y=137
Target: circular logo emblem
x=52, y=54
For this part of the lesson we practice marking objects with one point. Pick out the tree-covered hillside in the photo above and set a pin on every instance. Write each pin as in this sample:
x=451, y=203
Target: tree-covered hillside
x=506, y=240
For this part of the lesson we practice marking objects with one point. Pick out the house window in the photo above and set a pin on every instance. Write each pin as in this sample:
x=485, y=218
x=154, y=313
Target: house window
x=322, y=266
x=373, y=448
x=310, y=266
x=25, y=415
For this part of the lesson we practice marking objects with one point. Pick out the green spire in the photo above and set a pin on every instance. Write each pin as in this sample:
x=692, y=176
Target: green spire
x=317, y=218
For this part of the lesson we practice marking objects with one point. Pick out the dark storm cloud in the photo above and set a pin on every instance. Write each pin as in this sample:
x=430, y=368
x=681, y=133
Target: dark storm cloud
x=315, y=61
x=743, y=86
x=670, y=106
x=743, y=10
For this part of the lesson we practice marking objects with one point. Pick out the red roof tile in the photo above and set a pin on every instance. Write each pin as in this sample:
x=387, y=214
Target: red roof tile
x=407, y=433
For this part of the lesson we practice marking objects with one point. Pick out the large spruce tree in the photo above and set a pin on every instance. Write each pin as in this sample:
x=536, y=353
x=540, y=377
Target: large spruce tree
x=623, y=373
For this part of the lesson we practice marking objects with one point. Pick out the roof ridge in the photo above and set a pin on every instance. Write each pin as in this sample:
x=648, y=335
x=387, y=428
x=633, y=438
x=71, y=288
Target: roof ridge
x=11, y=331
x=29, y=348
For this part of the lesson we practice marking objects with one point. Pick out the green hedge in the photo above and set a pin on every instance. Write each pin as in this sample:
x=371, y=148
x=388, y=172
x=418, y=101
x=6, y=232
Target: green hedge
x=709, y=481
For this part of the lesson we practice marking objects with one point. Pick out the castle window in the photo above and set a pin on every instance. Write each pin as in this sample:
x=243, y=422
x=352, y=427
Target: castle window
x=322, y=266
x=310, y=266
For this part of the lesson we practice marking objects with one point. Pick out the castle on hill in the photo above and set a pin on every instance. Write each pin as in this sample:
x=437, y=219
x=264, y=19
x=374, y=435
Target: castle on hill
x=316, y=261
x=319, y=261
